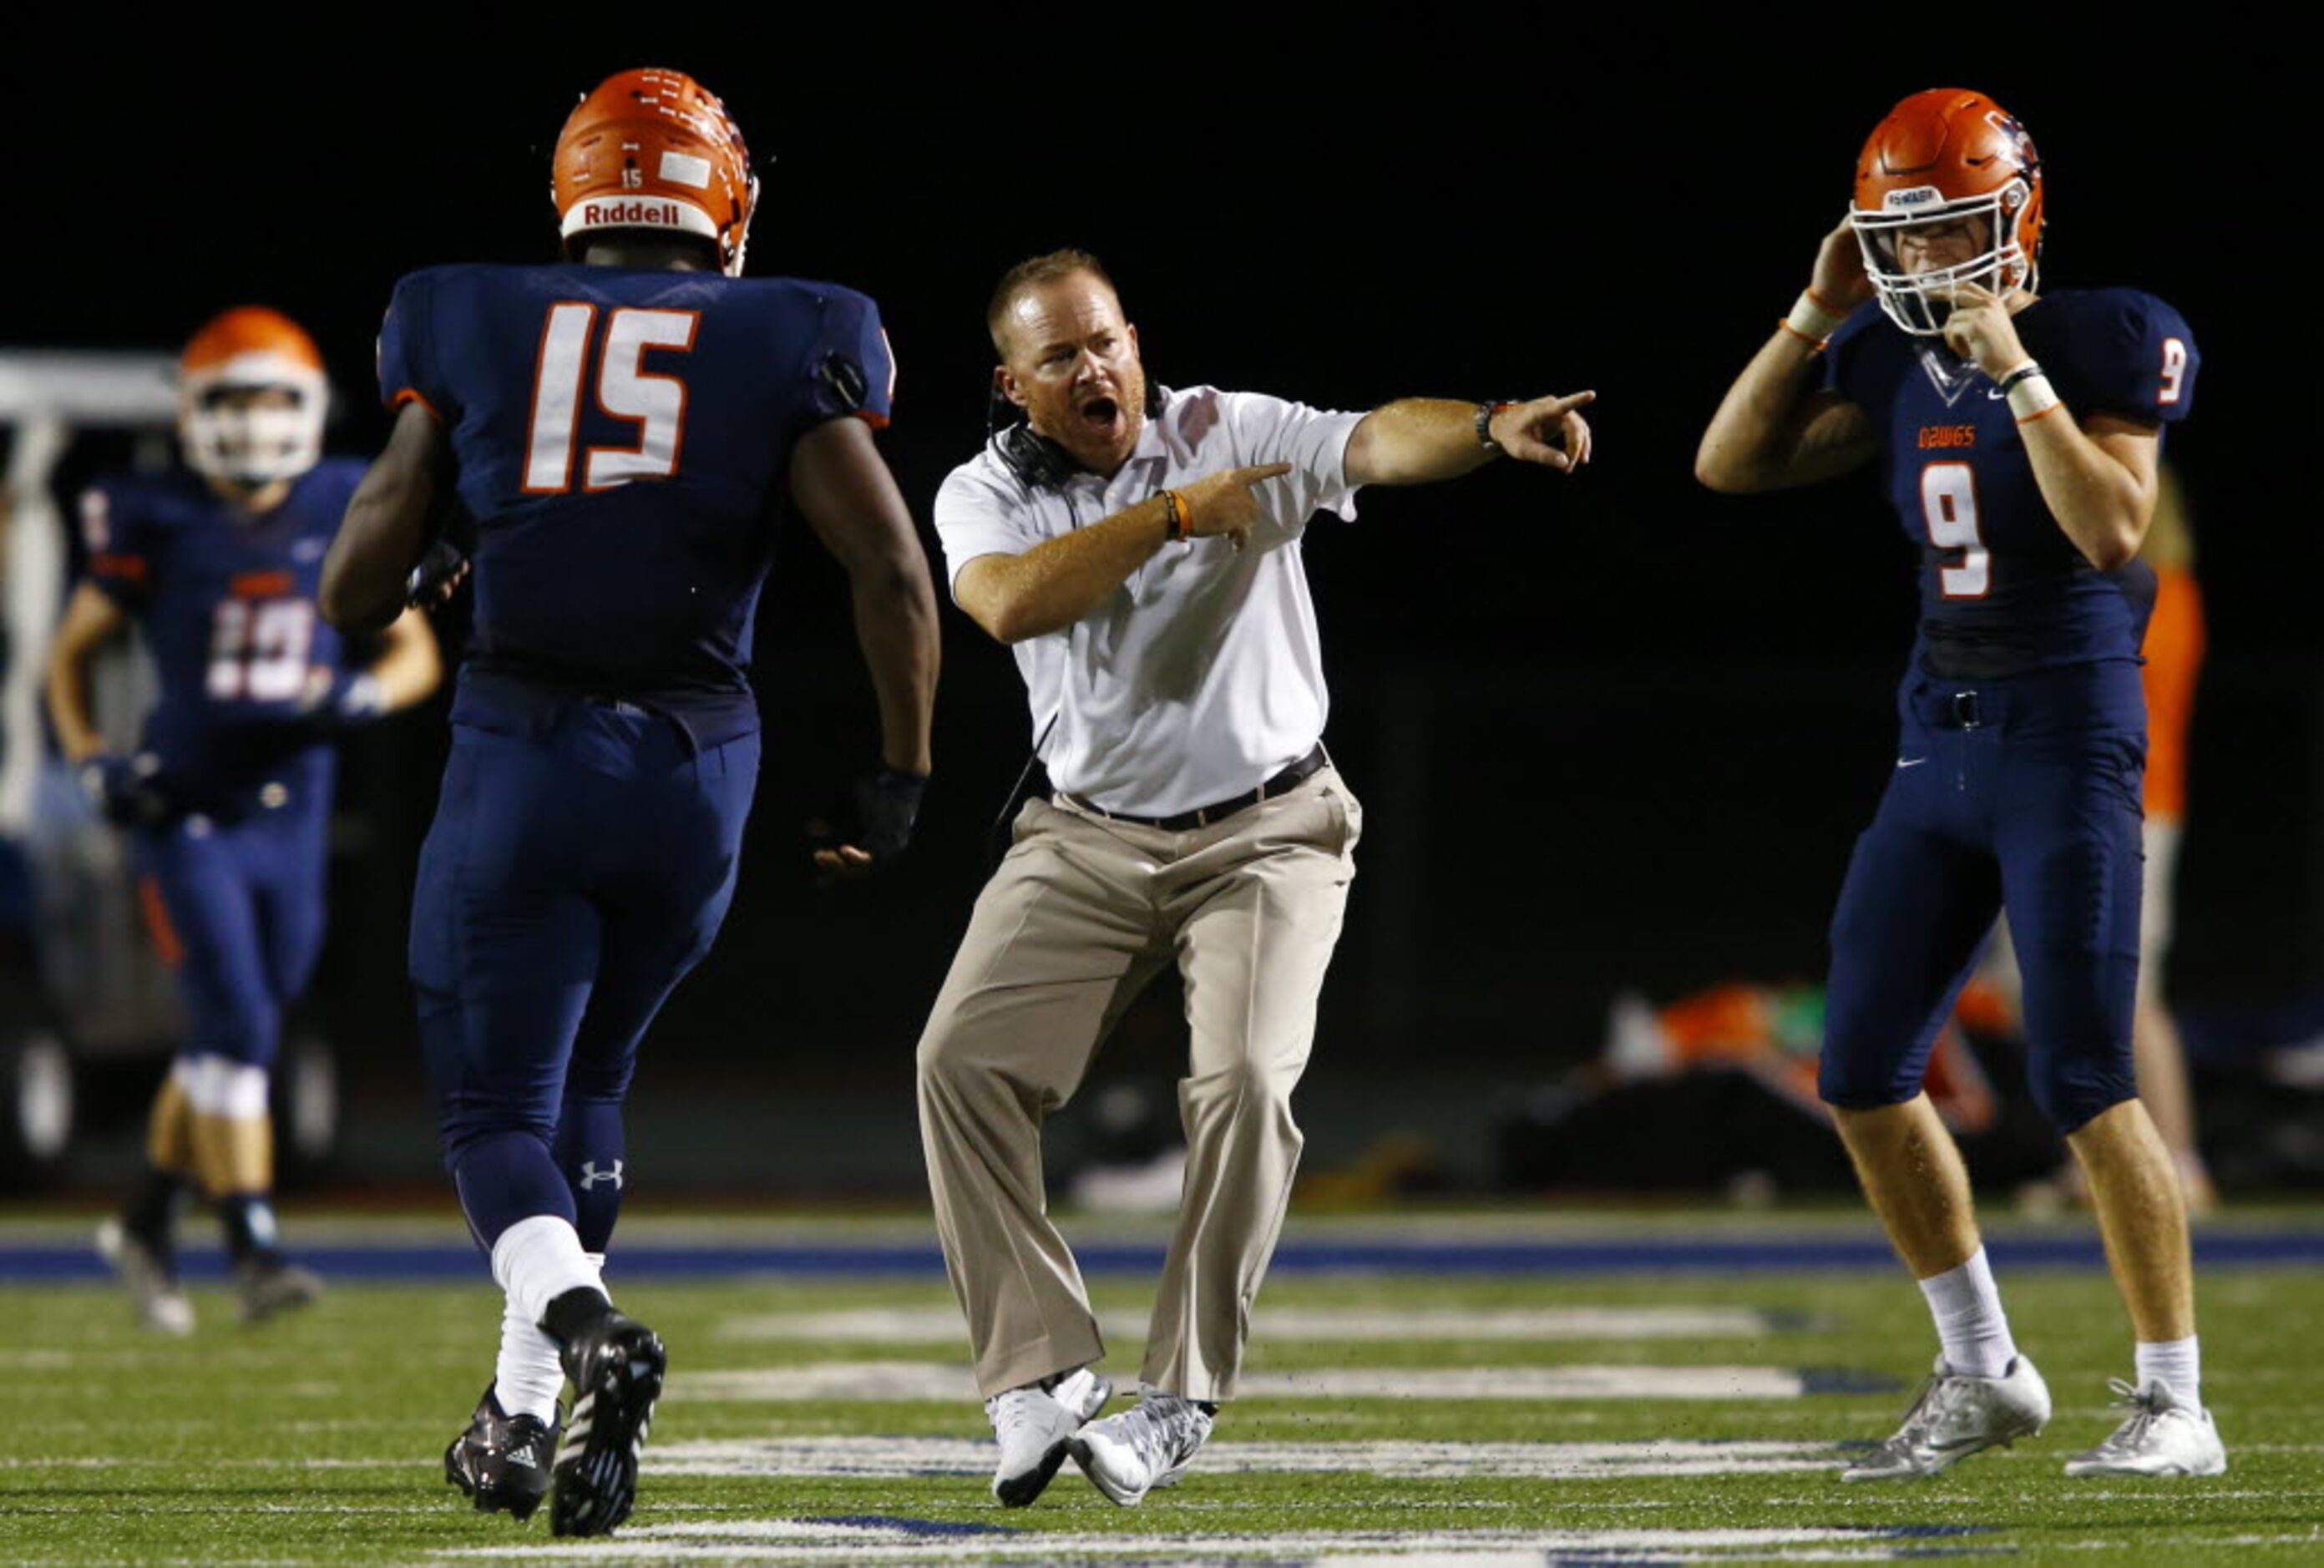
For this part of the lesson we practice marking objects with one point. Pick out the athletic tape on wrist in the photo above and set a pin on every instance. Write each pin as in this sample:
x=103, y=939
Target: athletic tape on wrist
x=2031, y=396
x=1810, y=319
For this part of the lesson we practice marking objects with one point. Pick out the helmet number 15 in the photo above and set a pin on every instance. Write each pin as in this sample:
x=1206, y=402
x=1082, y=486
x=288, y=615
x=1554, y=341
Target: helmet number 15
x=1948, y=507
x=575, y=348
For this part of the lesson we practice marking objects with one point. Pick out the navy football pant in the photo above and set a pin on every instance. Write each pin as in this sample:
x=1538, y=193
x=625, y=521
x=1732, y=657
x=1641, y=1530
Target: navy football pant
x=240, y=918
x=2021, y=794
x=574, y=874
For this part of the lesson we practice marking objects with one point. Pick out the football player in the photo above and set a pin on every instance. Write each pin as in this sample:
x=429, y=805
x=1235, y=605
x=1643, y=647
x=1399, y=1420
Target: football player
x=227, y=797
x=625, y=429
x=2018, y=435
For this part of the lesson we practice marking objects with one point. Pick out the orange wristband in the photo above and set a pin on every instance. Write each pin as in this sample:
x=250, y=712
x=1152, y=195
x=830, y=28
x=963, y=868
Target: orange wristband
x=1174, y=507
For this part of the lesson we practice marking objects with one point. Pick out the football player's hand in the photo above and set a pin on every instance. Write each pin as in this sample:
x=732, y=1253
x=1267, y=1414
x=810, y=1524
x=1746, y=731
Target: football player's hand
x=1222, y=502
x=343, y=696
x=126, y=791
x=1979, y=330
x=437, y=577
x=886, y=804
x=1839, y=280
x=1546, y=430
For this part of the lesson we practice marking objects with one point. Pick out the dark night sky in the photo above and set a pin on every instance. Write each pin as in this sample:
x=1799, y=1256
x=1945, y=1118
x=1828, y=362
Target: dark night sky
x=1459, y=220
x=1510, y=211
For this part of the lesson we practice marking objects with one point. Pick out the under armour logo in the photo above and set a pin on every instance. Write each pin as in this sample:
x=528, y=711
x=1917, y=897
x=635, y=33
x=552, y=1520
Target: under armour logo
x=591, y=1176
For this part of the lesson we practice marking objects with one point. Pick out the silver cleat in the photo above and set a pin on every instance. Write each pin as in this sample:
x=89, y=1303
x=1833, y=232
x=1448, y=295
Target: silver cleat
x=2160, y=1437
x=1955, y=1416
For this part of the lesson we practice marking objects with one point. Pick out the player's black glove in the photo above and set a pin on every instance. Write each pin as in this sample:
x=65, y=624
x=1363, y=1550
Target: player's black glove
x=126, y=791
x=436, y=576
x=885, y=803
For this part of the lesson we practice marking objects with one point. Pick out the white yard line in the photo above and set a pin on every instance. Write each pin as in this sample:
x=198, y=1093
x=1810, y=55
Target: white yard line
x=874, y=1381
x=941, y=1325
x=899, y=1458
x=794, y=1540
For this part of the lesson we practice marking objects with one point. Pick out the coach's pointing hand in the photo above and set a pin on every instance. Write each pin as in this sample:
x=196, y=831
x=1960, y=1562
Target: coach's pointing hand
x=1222, y=502
x=1546, y=430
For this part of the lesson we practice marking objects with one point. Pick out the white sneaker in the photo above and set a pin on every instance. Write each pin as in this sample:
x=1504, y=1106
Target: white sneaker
x=1033, y=1424
x=1147, y=1445
x=160, y=1302
x=1955, y=1416
x=2161, y=1437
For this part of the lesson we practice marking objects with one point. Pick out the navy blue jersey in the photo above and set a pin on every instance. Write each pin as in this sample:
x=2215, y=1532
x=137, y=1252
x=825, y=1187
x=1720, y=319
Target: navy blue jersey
x=226, y=604
x=2003, y=589
x=622, y=439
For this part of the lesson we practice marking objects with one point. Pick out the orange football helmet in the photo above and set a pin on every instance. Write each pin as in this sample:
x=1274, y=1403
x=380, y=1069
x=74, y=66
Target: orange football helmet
x=1944, y=155
x=655, y=149
x=229, y=431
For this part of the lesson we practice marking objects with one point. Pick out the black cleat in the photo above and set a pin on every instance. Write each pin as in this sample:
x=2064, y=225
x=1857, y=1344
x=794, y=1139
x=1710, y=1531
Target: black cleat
x=616, y=1365
x=501, y=1461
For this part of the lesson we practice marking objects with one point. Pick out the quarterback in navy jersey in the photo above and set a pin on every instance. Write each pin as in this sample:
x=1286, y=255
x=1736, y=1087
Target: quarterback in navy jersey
x=227, y=795
x=625, y=430
x=2018, y=436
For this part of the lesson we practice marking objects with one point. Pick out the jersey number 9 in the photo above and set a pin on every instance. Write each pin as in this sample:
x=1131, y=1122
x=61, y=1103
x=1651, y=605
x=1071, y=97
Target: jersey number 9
x=1949, y=506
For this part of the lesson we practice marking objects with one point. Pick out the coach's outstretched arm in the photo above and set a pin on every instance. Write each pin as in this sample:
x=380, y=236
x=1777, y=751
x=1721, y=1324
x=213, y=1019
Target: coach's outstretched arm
x=1414, y=440
x=386, y=528
x=1776, y=427
x=850, y=500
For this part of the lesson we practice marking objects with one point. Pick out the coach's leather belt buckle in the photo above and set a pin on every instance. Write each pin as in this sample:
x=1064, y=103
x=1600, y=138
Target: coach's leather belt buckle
x=1961, y=711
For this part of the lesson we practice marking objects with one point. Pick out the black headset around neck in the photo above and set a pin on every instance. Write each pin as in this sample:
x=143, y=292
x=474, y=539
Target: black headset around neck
x=1038, y=462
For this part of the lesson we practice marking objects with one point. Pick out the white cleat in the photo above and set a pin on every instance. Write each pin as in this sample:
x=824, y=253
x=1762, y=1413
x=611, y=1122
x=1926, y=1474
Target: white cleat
x=1147, y=1445
x=1034, y=1424
x=1955, y=1416
x=160, y=1302
x=2160, y=1437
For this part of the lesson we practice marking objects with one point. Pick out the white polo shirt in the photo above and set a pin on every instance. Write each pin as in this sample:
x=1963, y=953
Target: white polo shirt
x=1202, y=676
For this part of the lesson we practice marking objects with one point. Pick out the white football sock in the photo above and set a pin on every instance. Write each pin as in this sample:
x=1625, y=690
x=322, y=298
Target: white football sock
x=1970, y=1324
x=2179, y=1363
x=538, y=1260
x=529, y=1376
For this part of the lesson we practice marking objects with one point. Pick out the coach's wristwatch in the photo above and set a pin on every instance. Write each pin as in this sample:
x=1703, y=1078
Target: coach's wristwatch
x=1485, y=412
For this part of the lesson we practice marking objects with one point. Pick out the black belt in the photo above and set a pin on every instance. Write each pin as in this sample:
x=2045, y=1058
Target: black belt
x=1291, y=777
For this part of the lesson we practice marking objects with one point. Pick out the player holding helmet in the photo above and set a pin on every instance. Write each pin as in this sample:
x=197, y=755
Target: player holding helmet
x=227, y=799
x=2018, y=436
x=625, y=430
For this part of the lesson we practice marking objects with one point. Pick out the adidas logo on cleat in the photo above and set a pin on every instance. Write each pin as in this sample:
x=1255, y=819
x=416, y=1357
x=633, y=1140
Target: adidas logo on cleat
x=500, y=1460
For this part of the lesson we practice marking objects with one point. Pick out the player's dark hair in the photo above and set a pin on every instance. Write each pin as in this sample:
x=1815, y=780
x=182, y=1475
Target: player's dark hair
x=1031, y=274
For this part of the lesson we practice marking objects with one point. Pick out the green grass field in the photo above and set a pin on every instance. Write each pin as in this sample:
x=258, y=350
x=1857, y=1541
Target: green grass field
x=319, y=1439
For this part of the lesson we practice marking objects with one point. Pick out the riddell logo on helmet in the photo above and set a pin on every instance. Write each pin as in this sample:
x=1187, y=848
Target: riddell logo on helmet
x=638, y=210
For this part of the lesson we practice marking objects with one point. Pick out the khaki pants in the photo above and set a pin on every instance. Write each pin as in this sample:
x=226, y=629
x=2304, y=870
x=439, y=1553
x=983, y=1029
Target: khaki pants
x=1083, y=912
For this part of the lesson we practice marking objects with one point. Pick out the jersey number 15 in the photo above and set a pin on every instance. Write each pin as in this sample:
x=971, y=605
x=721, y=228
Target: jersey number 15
x=571, y=343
